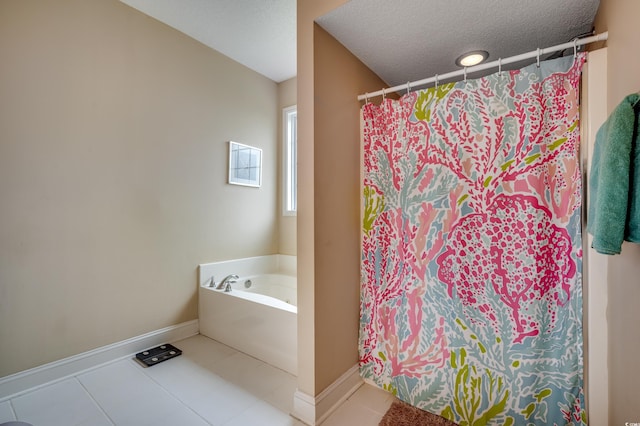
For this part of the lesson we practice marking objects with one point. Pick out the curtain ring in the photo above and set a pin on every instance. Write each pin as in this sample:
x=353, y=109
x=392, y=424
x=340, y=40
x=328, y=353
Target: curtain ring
x=366, y=98
x=500, y=67
x=465, y=76
x=384, y=95
x=436, y=81
x=408, y=87
x=538, y=58
x=575, y=47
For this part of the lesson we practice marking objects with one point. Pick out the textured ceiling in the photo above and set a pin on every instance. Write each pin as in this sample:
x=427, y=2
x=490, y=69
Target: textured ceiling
x=410, y=40
x=400, y=40
x=259, y=34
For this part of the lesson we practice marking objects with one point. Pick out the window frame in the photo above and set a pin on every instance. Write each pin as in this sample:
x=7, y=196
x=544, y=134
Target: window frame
x=290, y=160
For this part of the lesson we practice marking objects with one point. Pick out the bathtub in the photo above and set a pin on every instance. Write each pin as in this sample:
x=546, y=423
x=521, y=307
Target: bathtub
x=258, y=317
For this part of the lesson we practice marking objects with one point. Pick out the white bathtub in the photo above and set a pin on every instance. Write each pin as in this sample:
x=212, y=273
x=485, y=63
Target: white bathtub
x=261, y=320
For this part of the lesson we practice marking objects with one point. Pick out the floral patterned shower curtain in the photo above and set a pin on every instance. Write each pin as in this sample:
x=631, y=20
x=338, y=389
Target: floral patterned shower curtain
x=471, y=300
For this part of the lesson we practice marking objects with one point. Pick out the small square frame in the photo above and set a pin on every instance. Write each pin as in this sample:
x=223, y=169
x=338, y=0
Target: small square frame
x=245, y=165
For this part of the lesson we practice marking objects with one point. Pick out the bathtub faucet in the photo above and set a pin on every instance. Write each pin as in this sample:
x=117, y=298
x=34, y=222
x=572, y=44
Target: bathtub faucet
x=227, y=281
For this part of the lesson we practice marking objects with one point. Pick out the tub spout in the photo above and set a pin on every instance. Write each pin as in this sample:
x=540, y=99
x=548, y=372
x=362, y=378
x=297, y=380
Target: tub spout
x=227, y=281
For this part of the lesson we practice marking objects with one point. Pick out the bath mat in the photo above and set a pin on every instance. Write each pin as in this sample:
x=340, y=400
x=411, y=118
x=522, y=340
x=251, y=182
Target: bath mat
x=402, y=414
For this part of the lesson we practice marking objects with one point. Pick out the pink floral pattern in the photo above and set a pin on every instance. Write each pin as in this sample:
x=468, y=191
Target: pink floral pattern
x=471, y=249
x=516, y=248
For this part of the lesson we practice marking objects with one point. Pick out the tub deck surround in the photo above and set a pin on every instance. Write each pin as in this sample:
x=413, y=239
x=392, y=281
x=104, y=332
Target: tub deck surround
x=259, y=265
x=256, y=320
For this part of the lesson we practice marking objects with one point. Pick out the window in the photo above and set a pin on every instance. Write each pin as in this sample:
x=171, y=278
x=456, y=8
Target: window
x=290, y=136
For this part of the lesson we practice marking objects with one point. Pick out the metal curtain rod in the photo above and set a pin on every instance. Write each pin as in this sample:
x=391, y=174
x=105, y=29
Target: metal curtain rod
x=533, y=54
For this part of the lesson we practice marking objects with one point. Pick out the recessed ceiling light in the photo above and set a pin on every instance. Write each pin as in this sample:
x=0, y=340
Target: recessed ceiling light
x=472, y=58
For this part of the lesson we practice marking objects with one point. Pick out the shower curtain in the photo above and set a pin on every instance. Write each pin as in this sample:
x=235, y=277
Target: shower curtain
x=471, y=299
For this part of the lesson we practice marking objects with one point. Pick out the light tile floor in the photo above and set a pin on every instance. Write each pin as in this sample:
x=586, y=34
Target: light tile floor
x=209, y=384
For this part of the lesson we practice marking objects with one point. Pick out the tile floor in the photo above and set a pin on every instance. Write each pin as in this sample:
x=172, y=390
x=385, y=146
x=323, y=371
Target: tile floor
x=209, y=384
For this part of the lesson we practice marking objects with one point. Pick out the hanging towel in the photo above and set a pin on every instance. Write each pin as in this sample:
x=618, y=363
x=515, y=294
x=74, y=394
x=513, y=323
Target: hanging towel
x=614, y=205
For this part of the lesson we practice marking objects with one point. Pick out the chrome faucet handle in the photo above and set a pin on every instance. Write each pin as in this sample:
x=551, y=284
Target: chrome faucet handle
x=227, y=284
x=212, y=281
x=233, y=278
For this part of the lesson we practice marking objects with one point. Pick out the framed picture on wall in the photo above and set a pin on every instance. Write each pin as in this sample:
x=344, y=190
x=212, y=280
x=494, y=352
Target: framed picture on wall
x=245, y=165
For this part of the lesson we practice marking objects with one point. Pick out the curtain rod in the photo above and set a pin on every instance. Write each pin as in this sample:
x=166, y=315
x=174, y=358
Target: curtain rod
x=502, y=61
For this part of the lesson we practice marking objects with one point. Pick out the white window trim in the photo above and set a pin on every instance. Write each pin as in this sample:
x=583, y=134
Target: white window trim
x=287, y=167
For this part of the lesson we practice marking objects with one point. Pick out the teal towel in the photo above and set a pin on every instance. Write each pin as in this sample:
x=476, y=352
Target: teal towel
x=614, y=195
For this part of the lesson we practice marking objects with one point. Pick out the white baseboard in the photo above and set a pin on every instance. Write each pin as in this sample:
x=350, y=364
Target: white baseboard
x=17, y=383
x=314, y=410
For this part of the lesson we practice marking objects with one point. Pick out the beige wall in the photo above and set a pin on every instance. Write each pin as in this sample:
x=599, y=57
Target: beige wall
x=113, y=163
x=307, y=11
x=287, y=96
x=620, y=18
x=329, y=80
